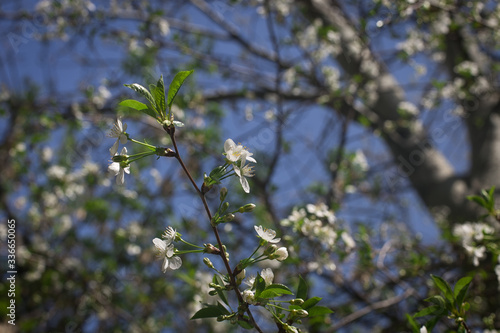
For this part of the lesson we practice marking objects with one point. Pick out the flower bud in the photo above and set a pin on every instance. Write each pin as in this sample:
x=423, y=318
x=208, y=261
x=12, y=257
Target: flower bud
x=280, y=254
x=228, y=217
x=271, y=250
x=209, y=248
x=297, y=301
x=248, y=296
x=223, y=194
x=119, y=158
x=208, y=263
x=225, y=206
x=301, y=313
x=240, y=276
x=247, y=208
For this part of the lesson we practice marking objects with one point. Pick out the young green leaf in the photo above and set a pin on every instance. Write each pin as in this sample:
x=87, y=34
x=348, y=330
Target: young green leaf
x=437, y=300
x=310, y=303
x=211, y=311
x=461, y=289
x=144, y=92
x=160, y=96
x=133, y=104
x=217, y=280
x=319, y=311
x=260, y=285
x=245, y=324
x=434, y=310
x=444, y=287
x=477, y=199
x=175, y=86
x=413, y=324
x=302, y=288
x=275, y=290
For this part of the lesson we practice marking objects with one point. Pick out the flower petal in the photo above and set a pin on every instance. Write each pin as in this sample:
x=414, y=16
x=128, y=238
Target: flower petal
x=114, y=167
x=114, y=148
x=244, y=184
x=123, y=139
x=229, y=145
x=164, y=266
x=120, y=178
x=175, y=262
x=160, y=244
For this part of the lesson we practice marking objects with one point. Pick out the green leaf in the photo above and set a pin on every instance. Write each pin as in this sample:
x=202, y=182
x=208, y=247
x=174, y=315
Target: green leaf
x=260, y=285
x=136, y=105
x=431, y=310
x=310, y=303
x=319, y=311
x=461, y=289
x=275, y=290
x=144, y=92
x=217, y=280
x=444, y=287
x=477, y=199
x=302, y=289
x=245, y=324
x=211, y=311
x=413, y=324
x=491, y=199
x=437, y=300
x=160, y=96
x=175, y=86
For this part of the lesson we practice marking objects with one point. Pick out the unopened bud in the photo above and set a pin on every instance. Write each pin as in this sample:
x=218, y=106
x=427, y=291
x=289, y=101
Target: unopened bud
x=223, y=194
x=297, y=301
x=301, y=313
x=119, y=158
x=208, y=263
x=270, y=250
x=280, y=254
x=225, y=206
x=228, y=217
x=240, y=276
x=247, y=208
x=209, y=248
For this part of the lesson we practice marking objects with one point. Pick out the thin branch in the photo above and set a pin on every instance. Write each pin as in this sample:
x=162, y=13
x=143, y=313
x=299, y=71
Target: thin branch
x=216, y=232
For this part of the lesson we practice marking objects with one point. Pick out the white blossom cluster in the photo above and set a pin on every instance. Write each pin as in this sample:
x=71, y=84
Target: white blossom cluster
x=319, y=224
x=472, y=236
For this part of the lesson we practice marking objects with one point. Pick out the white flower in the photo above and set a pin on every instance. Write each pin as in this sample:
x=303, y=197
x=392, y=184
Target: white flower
x=423, y=329
x=281, y=254
x=166, y=251
x=169, y=235
x=245, y=171
x=268, y=276
x=119, y=168
x=248, y=296
x=235, y=152
x=118, y=132
x=267, y=234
